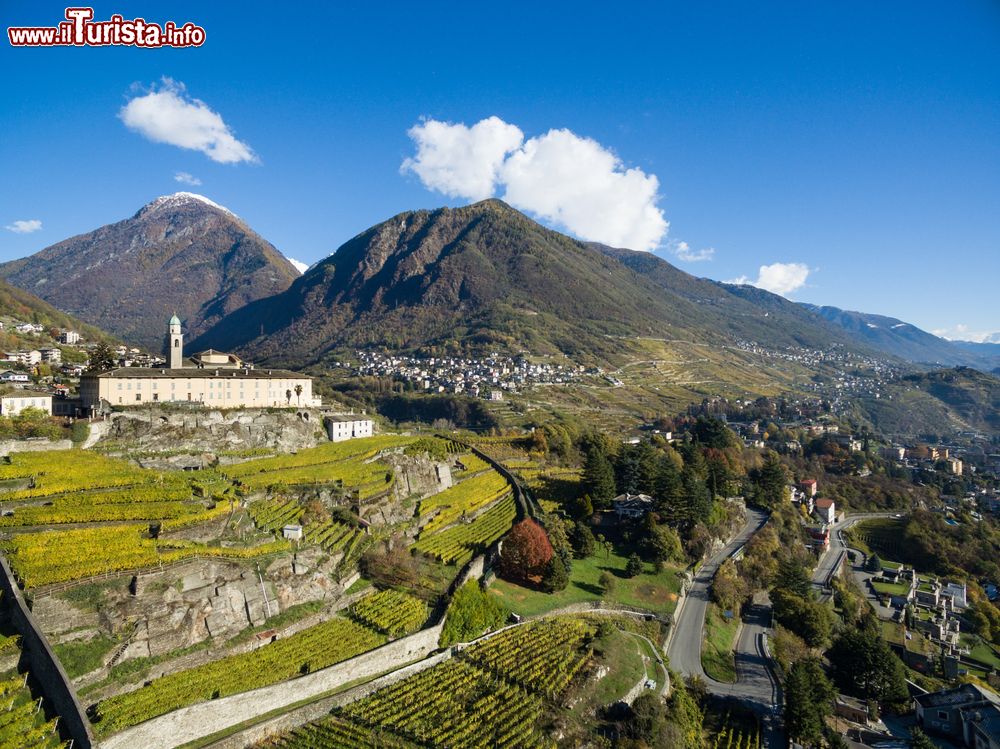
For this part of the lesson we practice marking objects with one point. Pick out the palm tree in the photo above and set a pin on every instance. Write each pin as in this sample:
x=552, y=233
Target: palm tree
x=298, y=394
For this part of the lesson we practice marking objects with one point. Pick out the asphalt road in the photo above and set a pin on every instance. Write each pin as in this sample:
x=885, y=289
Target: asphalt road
x=833, y=556
x=755, y=684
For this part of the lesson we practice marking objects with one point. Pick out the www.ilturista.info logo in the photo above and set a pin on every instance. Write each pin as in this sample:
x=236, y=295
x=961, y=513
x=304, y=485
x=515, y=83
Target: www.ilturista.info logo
x=80, y=30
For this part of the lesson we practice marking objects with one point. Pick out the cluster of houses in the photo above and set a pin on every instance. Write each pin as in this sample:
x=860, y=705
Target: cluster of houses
x=859, y=375
x=924, y=456
x=487, y=377
x=821, y=510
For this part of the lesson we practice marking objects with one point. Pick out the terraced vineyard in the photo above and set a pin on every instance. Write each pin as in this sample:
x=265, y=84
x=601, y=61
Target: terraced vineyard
x=90, y=470
x=103, y=496
x=331, y=536
x=334, y=733
x=505, y=449
x=548, y=666
x=349, y=464
x=59, y=556
x=273, y=515
x=464, y=498
x=21, y=725
x=309, y=650
x=23, y=722
x=491, y=696
x=459, y=544
x=391, y=611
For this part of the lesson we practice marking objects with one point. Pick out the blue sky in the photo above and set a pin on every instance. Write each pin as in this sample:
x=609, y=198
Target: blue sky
x=857, y=143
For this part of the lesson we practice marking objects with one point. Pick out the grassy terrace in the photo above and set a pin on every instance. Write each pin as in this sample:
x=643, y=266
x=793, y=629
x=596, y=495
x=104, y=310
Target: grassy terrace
x=916, y=643
x=890, y=589
x=717, y=656
x=655, y=592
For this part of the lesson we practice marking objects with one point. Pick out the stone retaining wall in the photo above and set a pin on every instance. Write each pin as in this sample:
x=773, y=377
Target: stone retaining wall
x=204, y=719
x=321, y=708
x=33, y=446
x=42, y=661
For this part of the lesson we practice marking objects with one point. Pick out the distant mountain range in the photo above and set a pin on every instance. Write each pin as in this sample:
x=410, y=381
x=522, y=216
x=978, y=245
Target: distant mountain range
x=898, y=338
x=481, y=277
x=487, y=277
x=179, y=254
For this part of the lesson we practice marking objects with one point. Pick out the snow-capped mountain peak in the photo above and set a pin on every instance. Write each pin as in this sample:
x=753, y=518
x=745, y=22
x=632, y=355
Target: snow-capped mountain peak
x=182, y=198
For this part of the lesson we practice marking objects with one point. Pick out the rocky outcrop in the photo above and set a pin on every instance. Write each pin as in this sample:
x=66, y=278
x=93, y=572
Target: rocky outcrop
x=159, y=612
x=202, y=434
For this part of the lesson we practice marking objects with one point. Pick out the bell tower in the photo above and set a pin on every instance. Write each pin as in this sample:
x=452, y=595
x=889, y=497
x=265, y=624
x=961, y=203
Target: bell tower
x=175, y=344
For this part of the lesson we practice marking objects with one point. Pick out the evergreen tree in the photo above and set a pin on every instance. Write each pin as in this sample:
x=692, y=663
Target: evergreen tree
x=633, y=567
x=583, y=541
x=808, y=701
x=103, y=358
x=697, y=498
x=668, y=492
x=792, y=577
x=598, y=479
x=771, y=482
x=556, y=577
x=865, y=666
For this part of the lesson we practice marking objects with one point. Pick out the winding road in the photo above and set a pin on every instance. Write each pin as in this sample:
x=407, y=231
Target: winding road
x=756, y=685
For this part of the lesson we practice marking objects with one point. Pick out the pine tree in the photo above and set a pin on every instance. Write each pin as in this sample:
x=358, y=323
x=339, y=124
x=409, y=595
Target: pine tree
x=598, y=479
x=772, y=482
x=667, y=491
x=102, y=358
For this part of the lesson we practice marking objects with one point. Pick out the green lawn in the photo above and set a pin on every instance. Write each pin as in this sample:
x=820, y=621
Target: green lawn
x=980, y=650
x=717, y=657
x=651, y=591
x=890, y=589
x=621, y=655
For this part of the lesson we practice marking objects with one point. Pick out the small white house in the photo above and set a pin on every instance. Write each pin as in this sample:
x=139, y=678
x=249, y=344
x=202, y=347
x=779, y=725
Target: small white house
x=292, y=532
x=11, y=376
x=346, y=427
x=13, y=404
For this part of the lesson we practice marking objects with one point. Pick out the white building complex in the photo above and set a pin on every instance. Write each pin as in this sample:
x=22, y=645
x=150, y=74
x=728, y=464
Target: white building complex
x=212, y=379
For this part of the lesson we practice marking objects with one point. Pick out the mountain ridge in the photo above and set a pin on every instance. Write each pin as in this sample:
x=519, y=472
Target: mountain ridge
x=178, y=253
x=486, y=275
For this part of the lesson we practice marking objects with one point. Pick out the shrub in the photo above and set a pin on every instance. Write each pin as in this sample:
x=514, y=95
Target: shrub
x=471, y=614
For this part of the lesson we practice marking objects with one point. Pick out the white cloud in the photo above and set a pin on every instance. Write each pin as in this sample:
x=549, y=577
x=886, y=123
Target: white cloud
x=682, y=251
x=187, y=179
x=169, y=115
x=962, y=332
x=299, y=265
x=560, y=177
x=24, y=227
x=778, y=278
x=461, y=161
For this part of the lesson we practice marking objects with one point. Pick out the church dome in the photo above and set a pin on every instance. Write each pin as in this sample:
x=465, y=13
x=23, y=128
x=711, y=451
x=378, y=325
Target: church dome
x=175, y=320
